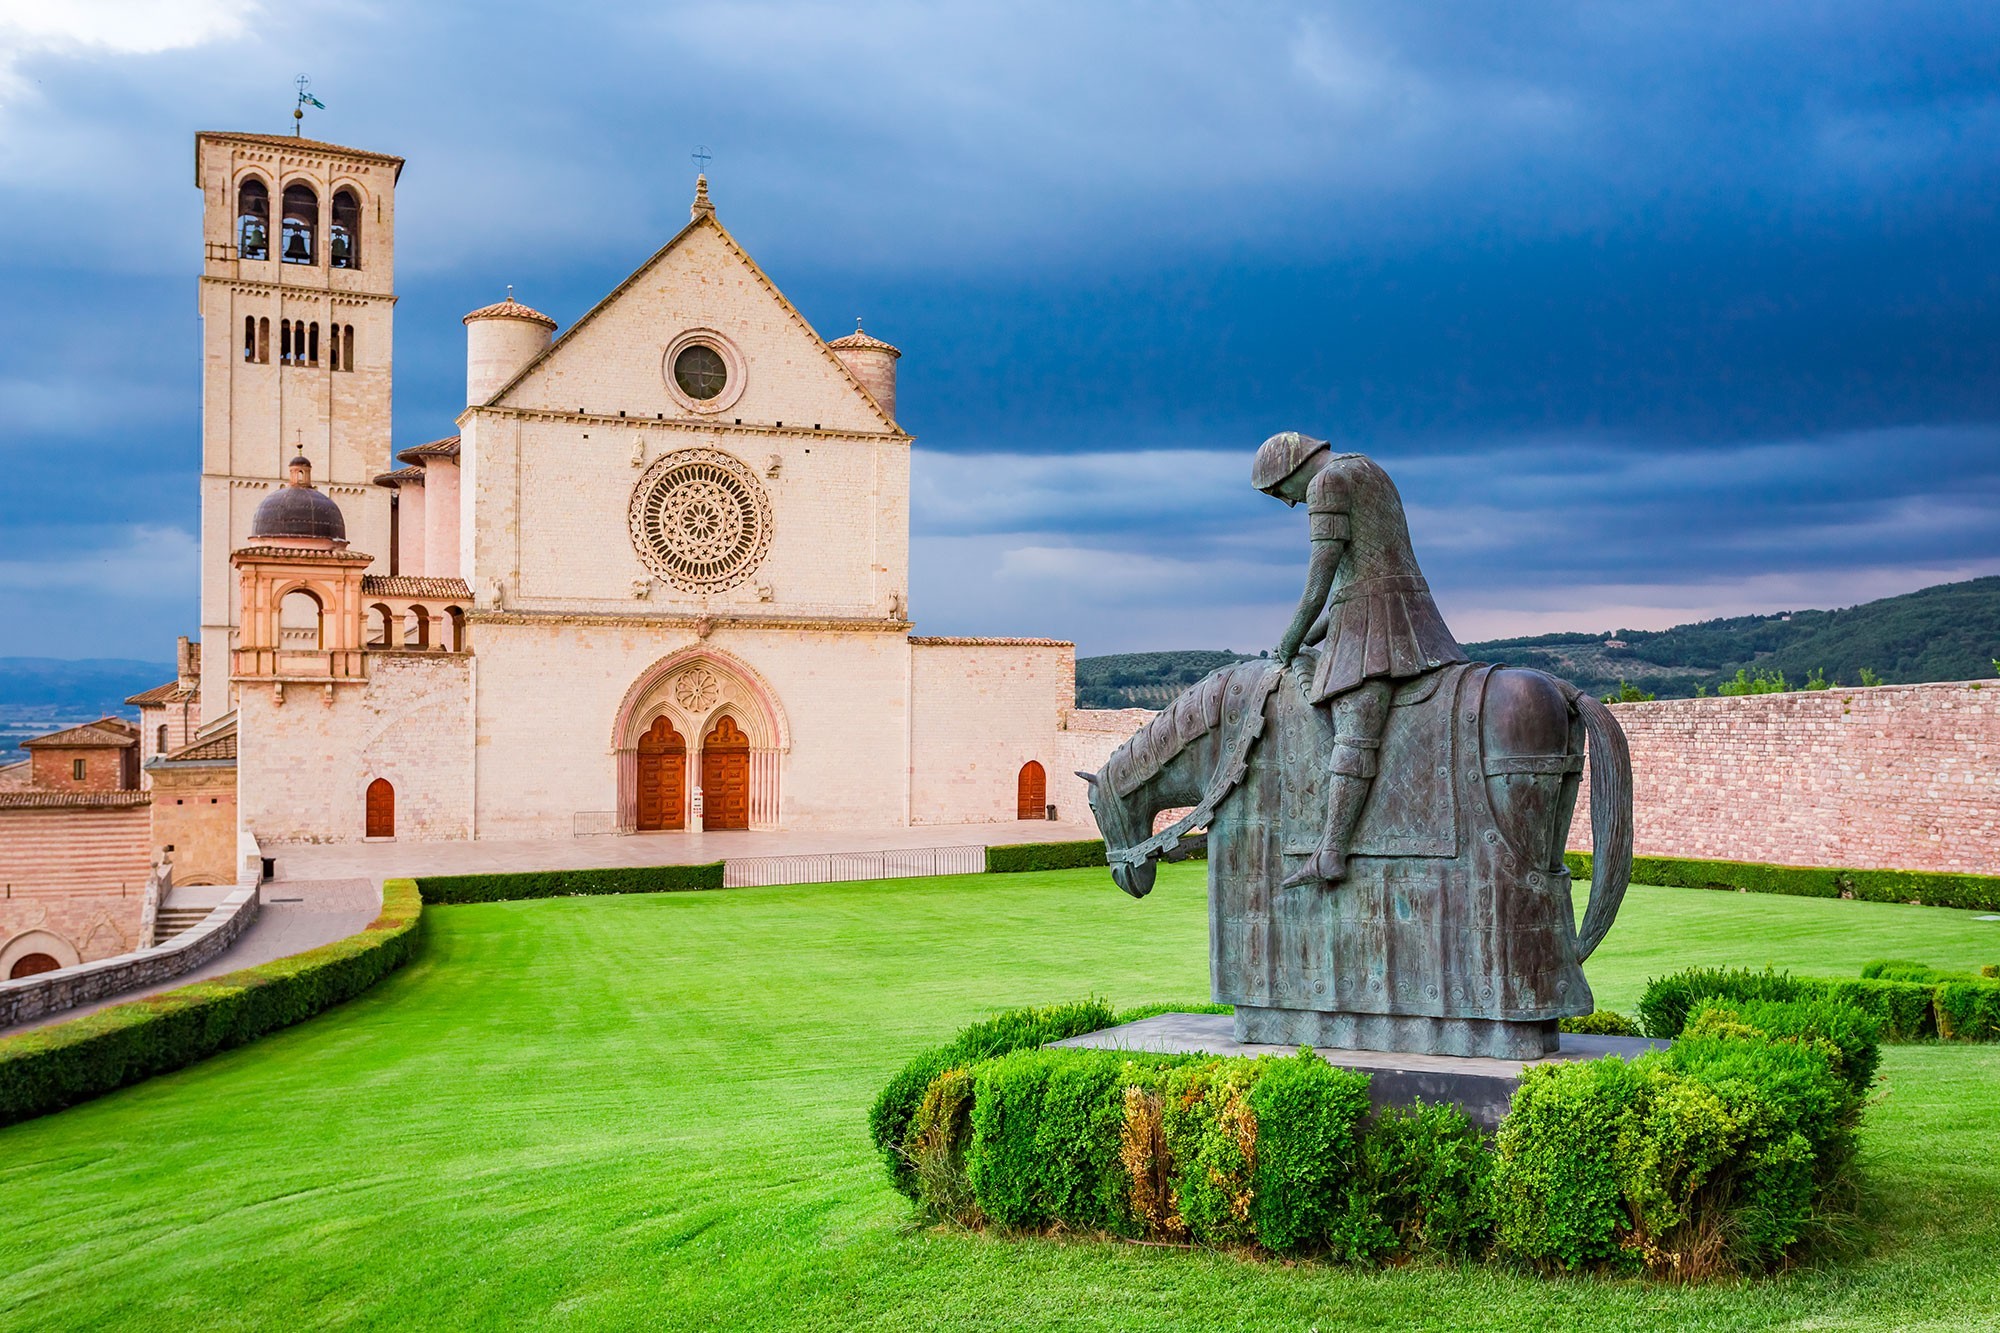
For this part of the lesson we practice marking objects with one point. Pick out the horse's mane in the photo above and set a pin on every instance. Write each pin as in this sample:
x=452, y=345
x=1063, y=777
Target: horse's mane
x=1194, y=713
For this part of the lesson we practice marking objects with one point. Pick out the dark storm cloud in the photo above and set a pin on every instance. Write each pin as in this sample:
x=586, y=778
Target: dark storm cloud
x=1655, y=312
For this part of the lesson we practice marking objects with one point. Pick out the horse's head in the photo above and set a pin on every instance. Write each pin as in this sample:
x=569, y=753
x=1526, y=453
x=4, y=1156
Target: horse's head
x=1135, y=877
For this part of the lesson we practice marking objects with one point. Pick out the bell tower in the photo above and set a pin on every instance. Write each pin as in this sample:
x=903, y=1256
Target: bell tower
x=298, y=299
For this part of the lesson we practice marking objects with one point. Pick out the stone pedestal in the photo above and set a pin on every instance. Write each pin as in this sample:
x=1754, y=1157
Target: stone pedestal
x=1481, y=1086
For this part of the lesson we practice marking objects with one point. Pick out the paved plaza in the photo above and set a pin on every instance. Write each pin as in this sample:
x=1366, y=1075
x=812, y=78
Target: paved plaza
x=376, y=861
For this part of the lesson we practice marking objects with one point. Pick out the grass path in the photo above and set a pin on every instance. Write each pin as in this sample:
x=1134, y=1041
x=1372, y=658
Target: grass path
x=648, y=1112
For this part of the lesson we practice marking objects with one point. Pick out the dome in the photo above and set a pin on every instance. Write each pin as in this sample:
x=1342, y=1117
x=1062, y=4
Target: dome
x=297, y=511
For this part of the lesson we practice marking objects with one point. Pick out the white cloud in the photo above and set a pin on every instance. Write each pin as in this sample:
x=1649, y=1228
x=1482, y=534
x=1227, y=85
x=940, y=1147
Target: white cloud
x=89, y=29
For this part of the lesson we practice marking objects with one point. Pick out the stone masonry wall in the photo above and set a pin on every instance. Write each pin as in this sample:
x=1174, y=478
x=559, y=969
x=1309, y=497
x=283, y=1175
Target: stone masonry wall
x=979, y=711
x=1898, y=776
x=1089, y=735
x=303, y=766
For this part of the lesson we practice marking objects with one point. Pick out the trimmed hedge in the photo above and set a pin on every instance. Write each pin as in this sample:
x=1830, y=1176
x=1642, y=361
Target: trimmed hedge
x=1601, y=1023
x=1962, y=1010
x=52, y=1067
x=1728, y=1153
x=895, y=1109
x=568, y=883
x=1930, y=888
x=1011, y=858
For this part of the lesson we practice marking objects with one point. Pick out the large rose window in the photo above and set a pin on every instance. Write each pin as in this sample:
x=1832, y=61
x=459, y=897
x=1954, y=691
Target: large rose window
x=700, y=520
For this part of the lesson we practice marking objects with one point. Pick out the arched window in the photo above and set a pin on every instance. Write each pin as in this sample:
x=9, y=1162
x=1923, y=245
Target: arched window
x=1031, y=792
x=312, y=344
x=249, y=337
x=456, y=617
x=343, y=236
x=263, y=341
x=301, y=226
x=333, y=347
x=301, y=621
x=385, y=626
x=347, y=347
x=160, y=742
x=284, y=342
x=253, y=220
x=419, y=635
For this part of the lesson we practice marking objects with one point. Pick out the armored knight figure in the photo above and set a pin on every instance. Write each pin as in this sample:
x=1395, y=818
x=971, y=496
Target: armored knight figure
x=1366, y=608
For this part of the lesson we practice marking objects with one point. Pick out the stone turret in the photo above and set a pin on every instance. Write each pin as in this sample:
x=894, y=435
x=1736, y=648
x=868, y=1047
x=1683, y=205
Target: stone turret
x=500, y=340
x=871, y=361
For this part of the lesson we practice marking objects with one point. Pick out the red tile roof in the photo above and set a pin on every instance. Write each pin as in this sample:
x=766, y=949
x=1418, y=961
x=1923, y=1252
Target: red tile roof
x=954, y=641
x=220, y=746
x=445, y=448
x=105, y=732
x=169, y=693
x=858, y=339
x=101, y=800
x=413, y=585
x=509, y=309
x=402, y=476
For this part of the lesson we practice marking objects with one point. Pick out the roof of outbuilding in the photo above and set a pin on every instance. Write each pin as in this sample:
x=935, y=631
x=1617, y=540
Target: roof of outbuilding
x=414, y=585
x=105, y=732
x=411, y=475
x=509, y=309
x=169, y=693
x=206, y=749
x=445, y=448
x=104, y=800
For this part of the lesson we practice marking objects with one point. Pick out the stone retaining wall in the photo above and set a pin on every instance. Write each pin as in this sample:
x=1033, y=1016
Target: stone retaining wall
x=52, y=992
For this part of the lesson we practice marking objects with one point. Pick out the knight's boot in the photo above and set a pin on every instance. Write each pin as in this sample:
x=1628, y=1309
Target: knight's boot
x=1328, y=862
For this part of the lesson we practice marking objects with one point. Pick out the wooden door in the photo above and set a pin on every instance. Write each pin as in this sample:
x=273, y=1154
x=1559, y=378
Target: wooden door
x=381, y=809
x=32, y=965
x=725, y=777
x=1032, y=792
x=663, y=759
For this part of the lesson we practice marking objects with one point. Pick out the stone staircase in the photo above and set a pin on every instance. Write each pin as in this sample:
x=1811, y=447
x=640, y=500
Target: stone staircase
x=171, y=921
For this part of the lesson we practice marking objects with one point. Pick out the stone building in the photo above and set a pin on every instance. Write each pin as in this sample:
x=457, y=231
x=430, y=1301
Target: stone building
x=655, y=579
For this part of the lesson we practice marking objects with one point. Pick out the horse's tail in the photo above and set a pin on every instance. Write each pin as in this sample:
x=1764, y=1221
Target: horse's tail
x=1610, y=821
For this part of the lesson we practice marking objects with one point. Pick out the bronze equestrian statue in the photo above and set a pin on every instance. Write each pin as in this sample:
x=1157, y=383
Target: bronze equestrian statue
x=1385, y=820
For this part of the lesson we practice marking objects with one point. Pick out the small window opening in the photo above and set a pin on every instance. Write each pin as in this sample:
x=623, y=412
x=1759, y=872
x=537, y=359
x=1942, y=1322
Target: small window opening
x=249, y=337
x=253, y=220
x=263, y=341
x=312, y=344
x=161, y=744
x=76, y=770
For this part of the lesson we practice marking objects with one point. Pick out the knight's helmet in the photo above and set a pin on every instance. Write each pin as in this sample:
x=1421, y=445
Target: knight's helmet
x=1280, y=456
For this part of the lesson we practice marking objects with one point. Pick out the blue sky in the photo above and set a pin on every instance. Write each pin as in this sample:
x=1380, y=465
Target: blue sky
x=1655, y=313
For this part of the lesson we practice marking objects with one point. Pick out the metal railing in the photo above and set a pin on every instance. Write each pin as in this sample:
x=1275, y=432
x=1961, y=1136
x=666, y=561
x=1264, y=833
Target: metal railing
x=837, y=867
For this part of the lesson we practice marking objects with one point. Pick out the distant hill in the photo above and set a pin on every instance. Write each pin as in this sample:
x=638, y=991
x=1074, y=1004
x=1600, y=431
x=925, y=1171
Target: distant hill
x=1143, y=680
x=1949, y=632
x=44, y=694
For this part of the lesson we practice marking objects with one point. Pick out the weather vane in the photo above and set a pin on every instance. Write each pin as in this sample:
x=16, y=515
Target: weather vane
x=306, y=99
x=700, y=157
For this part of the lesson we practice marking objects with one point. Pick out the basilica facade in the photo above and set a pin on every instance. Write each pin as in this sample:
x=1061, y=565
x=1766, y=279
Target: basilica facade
x=655, y=577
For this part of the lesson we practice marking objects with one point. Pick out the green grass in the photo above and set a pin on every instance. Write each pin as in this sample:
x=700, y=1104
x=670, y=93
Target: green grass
x=648, y=1112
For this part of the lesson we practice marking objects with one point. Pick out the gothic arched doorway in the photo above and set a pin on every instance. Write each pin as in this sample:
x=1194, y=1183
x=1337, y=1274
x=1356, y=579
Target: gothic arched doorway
x=32, y=965
x=662, y=783
x=725, y=776
x=381, y=821
x=1031, y=795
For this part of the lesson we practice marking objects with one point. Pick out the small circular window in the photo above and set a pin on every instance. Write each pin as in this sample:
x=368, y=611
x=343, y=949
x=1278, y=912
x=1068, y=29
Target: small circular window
x=700, y=372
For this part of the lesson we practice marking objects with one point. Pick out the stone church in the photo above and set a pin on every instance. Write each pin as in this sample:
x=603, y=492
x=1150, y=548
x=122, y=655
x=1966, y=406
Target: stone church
x=656, y=578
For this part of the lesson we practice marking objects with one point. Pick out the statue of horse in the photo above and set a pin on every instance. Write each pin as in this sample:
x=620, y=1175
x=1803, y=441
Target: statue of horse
x=1454, y=931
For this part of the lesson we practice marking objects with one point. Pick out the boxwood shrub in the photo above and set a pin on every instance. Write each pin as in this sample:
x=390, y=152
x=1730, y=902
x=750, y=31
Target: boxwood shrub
x=1728, y=1153
x=1012, y=857
x=1966, y=1010
x=65, y=1063
x=1931, y=888
x=495, y=888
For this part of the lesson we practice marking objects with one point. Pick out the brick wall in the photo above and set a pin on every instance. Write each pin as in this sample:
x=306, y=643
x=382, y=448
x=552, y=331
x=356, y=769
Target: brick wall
x=194, y=812
x=72, y=878
x=979, y=711
x=1088, y=737
x=1902, y=776
x=105, y=768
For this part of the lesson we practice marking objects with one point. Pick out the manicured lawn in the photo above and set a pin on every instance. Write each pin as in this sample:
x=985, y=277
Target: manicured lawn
x=648, y=1112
